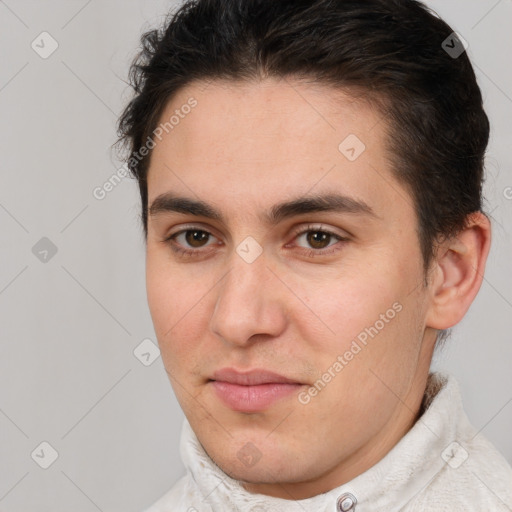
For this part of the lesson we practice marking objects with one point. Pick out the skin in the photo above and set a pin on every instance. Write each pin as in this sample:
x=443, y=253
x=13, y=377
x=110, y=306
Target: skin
x=243, y=149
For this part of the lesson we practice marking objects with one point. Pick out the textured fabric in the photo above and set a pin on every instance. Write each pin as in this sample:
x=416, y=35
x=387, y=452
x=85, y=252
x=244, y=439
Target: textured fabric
x=441, y=464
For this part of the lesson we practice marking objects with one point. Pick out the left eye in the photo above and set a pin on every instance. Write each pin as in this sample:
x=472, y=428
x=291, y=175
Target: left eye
x=318, y=238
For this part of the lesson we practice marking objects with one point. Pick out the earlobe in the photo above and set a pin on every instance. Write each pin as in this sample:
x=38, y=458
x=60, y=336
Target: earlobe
x=458, y=273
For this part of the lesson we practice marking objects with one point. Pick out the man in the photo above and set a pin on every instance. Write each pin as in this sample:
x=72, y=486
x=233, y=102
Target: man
x=310, y=174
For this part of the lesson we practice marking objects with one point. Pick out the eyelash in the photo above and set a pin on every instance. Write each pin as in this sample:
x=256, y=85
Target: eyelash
x=311, y=253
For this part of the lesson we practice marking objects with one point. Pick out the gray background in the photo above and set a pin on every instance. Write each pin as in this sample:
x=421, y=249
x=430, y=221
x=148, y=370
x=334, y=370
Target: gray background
x=70, y=321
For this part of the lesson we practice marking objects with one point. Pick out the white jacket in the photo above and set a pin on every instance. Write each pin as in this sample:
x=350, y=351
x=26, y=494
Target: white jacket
x=442, y=464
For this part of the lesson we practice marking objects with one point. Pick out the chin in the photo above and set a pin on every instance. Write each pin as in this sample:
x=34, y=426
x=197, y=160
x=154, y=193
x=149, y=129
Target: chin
x=262, y=473
x=258, y=462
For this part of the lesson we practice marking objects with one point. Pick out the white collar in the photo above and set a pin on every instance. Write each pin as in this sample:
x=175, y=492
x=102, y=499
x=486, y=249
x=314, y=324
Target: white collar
x=389, y=485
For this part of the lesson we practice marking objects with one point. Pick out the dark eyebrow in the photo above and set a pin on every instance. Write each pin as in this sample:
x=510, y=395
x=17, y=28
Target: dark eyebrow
x=169, y=202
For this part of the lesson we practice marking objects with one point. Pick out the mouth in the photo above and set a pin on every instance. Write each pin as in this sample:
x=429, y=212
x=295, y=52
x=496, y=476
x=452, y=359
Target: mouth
x=252, y=391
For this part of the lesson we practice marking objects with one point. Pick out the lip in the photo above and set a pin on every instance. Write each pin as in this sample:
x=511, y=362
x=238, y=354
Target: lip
x=251, y=377
x=252, y=391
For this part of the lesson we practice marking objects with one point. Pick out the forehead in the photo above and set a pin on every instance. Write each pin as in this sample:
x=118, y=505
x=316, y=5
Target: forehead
x=258, y=142
x=261, y=116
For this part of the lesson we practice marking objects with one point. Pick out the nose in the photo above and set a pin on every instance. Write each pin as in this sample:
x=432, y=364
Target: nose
x=250, y=303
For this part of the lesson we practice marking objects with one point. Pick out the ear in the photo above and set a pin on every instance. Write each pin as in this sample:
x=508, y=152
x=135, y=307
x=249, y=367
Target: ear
x=457, y=273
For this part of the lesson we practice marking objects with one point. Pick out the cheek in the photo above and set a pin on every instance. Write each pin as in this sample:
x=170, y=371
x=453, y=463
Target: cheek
x=368, y=356
x=373, y=307
x=177, y=303
x=162, y=299
x=349, y=305
x=169, y=289
x=166, y=296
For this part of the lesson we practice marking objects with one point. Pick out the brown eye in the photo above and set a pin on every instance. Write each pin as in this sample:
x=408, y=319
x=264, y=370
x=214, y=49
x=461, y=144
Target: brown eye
x=190, y=242
x=196, y=238
x=318, y=239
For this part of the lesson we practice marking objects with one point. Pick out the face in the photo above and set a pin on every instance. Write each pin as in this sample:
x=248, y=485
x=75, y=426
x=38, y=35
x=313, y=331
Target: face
x=279, y=241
